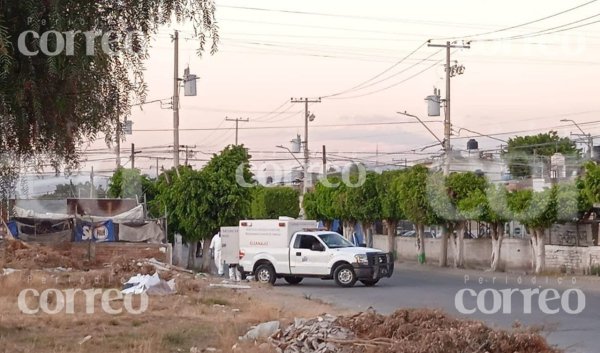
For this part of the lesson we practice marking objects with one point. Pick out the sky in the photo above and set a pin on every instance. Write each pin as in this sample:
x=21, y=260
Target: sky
x=271, y=51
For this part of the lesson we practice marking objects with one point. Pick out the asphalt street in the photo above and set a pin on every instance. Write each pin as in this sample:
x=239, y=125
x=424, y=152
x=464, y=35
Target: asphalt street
x=412, y=286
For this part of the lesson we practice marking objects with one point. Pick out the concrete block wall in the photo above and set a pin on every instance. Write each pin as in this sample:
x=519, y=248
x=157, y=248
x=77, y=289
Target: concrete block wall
x=515, y=254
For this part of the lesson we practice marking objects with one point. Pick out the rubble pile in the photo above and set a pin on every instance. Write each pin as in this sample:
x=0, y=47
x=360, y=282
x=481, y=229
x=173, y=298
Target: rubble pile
x=406, y=331
x=315, y=335
x=425, y=330
x=17, y=254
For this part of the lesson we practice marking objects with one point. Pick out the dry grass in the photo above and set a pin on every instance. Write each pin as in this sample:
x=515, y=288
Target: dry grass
x=198, y=316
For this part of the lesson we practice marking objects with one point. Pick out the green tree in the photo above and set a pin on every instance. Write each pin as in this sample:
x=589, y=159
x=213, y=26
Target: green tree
x=521, y=151
x=444, y=195
x=49, y=104
x=274, y=202
x=323, y=202
x=128, y=183
x=412, y=192
x=390, y=201
x=364, y=204
x=490, y=207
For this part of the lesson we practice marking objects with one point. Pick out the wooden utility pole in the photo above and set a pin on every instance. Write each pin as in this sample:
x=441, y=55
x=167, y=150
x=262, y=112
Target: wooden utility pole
x=92, y=183
x=176, y=101
x=237, y=121
x=324, y=162
x=450, y=72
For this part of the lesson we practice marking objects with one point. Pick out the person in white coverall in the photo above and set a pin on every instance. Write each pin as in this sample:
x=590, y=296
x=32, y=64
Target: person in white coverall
x=215, y=246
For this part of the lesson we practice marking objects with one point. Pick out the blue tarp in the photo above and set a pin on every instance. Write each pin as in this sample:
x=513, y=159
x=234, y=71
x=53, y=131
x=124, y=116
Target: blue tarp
x=12, y=226
x=97, y=232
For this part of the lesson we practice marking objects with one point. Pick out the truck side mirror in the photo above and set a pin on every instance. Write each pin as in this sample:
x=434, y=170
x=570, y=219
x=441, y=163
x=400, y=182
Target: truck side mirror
x=317, y=247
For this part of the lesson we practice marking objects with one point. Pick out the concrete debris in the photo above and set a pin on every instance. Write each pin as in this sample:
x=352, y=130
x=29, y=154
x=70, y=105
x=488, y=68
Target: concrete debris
x=316, y=335
x=8, y=271
x=261, y=331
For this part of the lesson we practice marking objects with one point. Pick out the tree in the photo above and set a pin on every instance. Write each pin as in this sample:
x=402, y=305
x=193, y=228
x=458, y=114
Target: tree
x=537, y=211
x=391, y=211
x=51, y=102
x=126, y=183
x=274, y=202
x=445, y=194
x=365, y=205
x=323, y=203
x=412, y=192
x=490, y=207
x=522, y=149
x=64, y=191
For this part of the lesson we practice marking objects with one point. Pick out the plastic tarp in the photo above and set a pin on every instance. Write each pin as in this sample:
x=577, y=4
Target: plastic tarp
x=149, y=232
x=134, y=215
x=152, y=284
x=23, y=213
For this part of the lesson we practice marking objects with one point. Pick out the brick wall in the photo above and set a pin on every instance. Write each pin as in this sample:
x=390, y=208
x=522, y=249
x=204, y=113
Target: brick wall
x=105, y=252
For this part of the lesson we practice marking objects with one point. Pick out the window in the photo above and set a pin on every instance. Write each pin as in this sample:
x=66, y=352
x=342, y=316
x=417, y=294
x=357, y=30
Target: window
x=305, y=241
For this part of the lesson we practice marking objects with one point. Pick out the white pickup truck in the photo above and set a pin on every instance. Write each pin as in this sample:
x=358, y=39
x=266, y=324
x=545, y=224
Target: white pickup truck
x=294, y=249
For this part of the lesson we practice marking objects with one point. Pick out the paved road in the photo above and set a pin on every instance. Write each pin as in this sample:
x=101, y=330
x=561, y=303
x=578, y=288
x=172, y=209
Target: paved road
x=415, y=287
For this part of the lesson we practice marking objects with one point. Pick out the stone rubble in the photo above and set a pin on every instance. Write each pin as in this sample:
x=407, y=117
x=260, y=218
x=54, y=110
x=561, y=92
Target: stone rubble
x=312, y=336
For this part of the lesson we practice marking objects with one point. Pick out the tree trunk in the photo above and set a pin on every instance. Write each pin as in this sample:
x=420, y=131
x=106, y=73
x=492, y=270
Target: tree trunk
x=420, y=243
x=497, y=232
x=391, y=237
x=443, y=260
x=192, y=254
x=206, y=258
x=539, y=250
x=327, y=224
x=368, y=232
x=459, y=246
x=348, y=229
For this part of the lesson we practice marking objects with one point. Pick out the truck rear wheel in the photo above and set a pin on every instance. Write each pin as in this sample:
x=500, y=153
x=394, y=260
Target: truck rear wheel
x=265, y=273
x=344, y=275
x=292, y=279
x=369, y=282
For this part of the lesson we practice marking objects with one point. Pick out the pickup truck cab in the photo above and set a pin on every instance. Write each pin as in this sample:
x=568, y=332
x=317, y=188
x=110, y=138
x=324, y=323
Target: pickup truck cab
x=295, y=249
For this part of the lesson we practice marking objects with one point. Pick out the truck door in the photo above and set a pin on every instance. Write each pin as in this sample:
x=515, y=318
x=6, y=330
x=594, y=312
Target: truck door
x=305, y=259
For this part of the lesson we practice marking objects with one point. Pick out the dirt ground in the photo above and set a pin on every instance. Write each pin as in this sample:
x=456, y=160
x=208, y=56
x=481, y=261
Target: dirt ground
x=197, y=315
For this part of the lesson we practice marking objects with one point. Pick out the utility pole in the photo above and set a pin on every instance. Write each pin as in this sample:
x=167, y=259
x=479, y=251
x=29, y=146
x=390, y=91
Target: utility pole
x=237, y=121
x=133, y=153
x=324, y=162
x=176, y=101
x=118, y=133
x=307, y=116
x=583, y=135
x=157, y=172
x=92, y=183
x=450, y=72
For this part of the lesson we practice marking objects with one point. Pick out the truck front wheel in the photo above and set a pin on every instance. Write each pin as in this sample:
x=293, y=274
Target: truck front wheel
x=265, y=273
x=292, y=279
x=344, y=275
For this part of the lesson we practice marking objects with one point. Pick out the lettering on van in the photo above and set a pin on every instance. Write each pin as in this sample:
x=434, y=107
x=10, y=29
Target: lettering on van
x=259, y=243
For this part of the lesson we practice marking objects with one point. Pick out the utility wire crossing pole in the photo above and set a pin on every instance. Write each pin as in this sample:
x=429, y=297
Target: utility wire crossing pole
x=176, y=101
x=237, y=121
x=450, y=72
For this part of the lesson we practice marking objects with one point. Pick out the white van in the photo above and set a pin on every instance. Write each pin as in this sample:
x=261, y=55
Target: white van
x=293, y=249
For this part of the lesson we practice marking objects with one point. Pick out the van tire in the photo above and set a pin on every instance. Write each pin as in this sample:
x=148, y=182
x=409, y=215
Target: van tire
x=292, y=279
x=369, y=282
x=344, y=275
x=265, y=273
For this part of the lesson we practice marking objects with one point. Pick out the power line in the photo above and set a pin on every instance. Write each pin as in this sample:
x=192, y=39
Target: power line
x=379, y=74
x=552, y=30
x=522, y=24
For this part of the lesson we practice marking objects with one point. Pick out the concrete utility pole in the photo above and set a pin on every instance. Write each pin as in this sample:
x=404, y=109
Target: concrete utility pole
x=450, y=72
x=324, y=162
x=133, y=156
x=176, y=101
x=307, y=117
x=237, y=121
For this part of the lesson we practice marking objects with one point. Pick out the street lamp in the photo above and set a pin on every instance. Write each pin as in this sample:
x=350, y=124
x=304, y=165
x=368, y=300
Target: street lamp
x=590, y=140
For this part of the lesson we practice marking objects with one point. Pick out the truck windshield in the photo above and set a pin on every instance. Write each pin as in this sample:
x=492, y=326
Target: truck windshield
x=334, y=240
